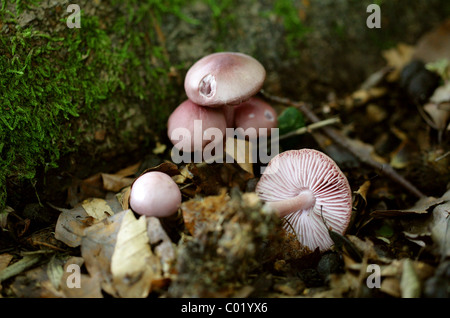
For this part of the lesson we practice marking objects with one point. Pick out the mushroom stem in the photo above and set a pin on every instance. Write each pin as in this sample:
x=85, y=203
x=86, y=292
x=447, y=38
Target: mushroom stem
x=303, y=201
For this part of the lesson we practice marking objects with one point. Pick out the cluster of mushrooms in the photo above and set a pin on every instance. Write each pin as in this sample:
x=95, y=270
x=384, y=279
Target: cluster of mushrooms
x=221, y=89
x=304, y=186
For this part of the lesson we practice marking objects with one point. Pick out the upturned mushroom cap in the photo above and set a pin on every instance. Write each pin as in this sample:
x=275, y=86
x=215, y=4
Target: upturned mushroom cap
x=224, y=78
x=185, y=115
x=255, y=113
x=302, y=185
x=155, y=194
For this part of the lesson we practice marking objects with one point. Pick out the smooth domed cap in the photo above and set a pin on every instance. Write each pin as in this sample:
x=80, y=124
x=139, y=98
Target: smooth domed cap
x=255, y=113
x=224, y=78
x=296, y=171
x=185, y=115
x=155, y=194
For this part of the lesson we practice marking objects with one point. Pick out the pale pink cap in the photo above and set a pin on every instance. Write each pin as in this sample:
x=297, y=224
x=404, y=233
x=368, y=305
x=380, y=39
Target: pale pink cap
x=307, y=171
x=224, y=78
x=155, y=194
x=184, y=116
x=255, y=113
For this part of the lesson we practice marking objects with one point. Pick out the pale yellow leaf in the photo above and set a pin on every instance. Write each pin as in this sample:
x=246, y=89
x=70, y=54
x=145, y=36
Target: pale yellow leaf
x=97, y=208
x=241, y=151
x=132, y=263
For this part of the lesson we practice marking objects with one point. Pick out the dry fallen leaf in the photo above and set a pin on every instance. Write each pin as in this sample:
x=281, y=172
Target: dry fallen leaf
x=133, y=265
x=4, y=216
x=440, y=228
x=397, y=58
x=409, y=283
x=164, y=249
x=422, y=206
x=434, y=45
x=97, y=208
x=35, y=283
x=4, y=260
x=97, y=185
x=72, y=223
x=80, y=190
x=117, y=249
x=199, y=213
x=89, y=287
x=115, y=183
x=241, y=151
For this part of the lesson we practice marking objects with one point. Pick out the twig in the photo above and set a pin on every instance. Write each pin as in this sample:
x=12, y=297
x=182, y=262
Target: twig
x=442, y=157
x=343, y=141
x=310, y=128
x=19, y=266
x=302, y=130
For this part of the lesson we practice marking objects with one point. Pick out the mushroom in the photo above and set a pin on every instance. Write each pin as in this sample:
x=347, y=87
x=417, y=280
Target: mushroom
x=155, y=194
x=224, y=78
x=228, y=111
x=255, y=113
x=194, y=135
x=308, y=189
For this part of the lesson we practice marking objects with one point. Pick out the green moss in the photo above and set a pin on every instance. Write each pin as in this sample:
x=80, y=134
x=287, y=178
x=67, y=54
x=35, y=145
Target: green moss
x=48, y=80
x=45, y=81
x=59, y=84
x=294, y=28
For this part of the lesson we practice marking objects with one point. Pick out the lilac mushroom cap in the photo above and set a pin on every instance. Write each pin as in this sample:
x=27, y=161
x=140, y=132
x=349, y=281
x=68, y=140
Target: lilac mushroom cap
x=155, y=194
x=255, y=113
x=185, y=115
x=302, y=185
x=224, y=78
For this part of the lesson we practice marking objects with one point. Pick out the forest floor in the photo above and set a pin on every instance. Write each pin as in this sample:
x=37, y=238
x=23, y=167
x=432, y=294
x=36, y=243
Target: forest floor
x=391, y=141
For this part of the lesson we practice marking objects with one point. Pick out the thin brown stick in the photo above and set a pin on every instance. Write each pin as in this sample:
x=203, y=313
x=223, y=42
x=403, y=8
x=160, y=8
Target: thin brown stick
x=344, y=142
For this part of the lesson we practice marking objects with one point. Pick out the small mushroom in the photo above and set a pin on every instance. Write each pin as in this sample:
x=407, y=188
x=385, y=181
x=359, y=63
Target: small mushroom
x=308, y=189
x=155, y=194
x=189, y=137
x=255, y=113
x=224, y=78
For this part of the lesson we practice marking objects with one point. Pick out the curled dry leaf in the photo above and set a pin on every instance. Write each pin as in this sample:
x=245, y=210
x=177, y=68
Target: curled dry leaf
x=97, y=185
x=435, y=226
x=72, y=223
x=166, y=167
x=422, y=206
x=437, y=107
x=440, y=117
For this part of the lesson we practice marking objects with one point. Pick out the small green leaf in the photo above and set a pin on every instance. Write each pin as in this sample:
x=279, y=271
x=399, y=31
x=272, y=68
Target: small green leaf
x=385, y=231
x=290, y=119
